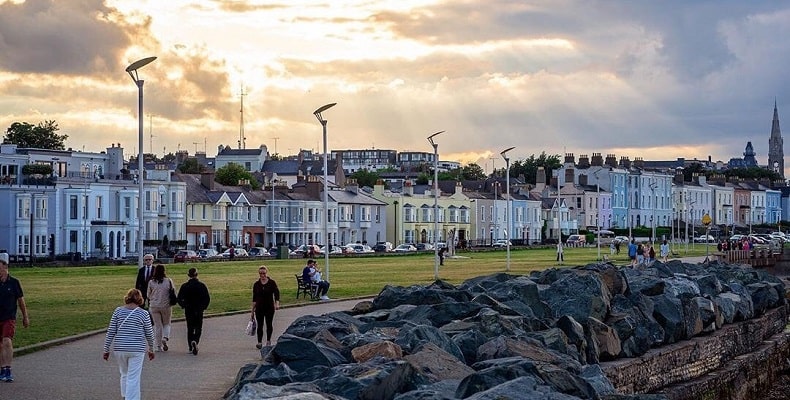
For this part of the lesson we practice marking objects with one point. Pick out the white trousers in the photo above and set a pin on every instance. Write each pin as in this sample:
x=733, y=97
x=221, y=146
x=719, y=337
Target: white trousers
x=131, y=366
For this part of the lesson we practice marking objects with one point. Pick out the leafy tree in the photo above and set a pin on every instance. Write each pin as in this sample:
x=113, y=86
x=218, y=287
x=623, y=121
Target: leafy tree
x=365, y=177
x=529, y=166
x=233, y=173
x=472, y=172
x=41, y=136
x=753, y=173
x=448, y=175
x=423, y=178
x=695, y=168
x=191, y=166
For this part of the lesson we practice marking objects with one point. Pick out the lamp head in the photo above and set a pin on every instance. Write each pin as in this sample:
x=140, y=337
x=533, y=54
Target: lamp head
x=321, y=109
x=133, y=67
x=430, y=138
x=503, y=153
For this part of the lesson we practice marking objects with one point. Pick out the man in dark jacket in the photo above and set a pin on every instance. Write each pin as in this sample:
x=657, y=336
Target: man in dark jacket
x=193, y=297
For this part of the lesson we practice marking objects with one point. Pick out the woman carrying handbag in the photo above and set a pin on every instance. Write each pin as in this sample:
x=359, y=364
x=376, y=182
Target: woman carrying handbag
x=265, y=300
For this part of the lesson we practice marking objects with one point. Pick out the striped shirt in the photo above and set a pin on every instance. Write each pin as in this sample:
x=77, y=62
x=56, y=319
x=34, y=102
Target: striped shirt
x=131, y=335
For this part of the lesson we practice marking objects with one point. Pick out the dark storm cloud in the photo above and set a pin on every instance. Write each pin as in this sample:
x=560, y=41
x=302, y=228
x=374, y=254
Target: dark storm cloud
x=79, y=37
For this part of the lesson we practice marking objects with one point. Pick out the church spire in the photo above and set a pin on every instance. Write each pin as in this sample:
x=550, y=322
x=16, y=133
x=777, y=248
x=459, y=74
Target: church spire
x=776, y=153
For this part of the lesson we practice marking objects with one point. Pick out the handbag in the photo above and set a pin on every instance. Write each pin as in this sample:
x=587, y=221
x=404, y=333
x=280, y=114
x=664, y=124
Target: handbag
x=252, y=326
x=173, y=297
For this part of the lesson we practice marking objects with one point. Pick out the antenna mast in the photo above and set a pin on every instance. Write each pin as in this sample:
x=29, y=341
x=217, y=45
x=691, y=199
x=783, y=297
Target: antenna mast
x=150, y=132
x=275, y=144
x=242, y=139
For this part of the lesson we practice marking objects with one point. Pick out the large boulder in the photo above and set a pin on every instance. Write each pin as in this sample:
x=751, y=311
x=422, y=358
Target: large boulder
x=581, y=295
x=412, y=340
x=300, y=353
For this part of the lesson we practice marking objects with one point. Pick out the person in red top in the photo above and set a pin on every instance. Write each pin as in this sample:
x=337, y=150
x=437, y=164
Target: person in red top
x=11, y=297
x=265, y=300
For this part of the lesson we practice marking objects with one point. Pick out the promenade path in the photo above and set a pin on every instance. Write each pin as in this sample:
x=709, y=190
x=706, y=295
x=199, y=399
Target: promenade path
x=76, y=370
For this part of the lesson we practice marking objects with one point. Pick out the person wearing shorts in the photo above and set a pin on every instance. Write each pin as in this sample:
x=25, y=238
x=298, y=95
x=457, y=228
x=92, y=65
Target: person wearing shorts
x=11, y=299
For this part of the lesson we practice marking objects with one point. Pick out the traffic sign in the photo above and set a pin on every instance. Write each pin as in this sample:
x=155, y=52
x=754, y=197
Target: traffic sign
x=706, y=220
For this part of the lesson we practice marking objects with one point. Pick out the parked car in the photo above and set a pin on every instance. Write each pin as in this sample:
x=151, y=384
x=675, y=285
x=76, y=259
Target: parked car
x=207, y=253
x=382, y=247
x=576, y=240
x=704, y=239
x=258, y=252
x=423, y=246
x=306, y=248
x=735, y=238
x=621, y=239
x=360, y=248
x=185, y=256
x=501, y=243
x=404, y=248
x=238, y=253
x=335, y=250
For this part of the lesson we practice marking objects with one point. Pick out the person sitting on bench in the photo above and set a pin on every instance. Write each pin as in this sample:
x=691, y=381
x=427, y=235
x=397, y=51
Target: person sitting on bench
x=311, y=273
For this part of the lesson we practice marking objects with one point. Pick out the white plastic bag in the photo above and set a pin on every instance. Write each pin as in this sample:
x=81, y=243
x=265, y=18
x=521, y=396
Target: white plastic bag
x=251, y=327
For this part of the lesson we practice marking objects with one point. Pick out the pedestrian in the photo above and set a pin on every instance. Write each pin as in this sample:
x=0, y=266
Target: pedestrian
x=651, y=254
x=130, y=336
x=664, y=251
x=560, y=257
x=159, y=306
x=194, y=298
x=144, y=274
x=11, y=300
x=441, y=255
x=632, y=248
x=265, y=300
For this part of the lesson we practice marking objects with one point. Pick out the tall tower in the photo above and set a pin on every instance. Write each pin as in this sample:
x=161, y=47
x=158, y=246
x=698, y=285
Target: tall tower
x=776, y=152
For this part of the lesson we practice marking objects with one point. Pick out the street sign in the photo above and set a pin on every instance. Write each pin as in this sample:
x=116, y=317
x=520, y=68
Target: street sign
x=706, y=220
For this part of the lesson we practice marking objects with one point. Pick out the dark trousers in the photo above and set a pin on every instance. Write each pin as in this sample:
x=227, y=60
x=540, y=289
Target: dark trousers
x=323, y=288
x=194, y=325
x=264, y=316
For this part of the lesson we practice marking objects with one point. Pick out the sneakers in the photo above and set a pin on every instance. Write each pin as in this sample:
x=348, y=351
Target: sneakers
x=258, y=346
x=5, y=375
x=325, y=298
x=164, y=344
x=194, y=347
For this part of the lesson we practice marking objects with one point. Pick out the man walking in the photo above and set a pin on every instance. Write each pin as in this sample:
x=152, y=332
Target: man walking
x=144, y=274
x=11, y=297
x=193, y=297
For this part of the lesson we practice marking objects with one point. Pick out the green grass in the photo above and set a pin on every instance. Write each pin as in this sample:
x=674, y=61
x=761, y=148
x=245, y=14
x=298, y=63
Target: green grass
x=70, y=300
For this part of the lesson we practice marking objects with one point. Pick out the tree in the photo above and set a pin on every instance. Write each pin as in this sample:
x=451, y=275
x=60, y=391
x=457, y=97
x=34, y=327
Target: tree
x=41, y=136
x=423, y=178
x=365, y=177
x=529, y=166
x=191, y=166
x=233, y=173
x=472, y=172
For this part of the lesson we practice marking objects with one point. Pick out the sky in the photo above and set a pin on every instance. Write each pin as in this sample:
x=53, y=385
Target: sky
x=638, y=78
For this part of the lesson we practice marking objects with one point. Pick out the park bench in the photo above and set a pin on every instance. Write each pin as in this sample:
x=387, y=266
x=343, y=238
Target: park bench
x=306, y=288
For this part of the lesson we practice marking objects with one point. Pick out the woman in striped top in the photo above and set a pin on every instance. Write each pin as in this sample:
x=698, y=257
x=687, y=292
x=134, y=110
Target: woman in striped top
x=131, y=336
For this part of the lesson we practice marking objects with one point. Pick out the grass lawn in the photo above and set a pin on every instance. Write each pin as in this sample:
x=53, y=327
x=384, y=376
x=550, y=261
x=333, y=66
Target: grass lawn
x=70, y=300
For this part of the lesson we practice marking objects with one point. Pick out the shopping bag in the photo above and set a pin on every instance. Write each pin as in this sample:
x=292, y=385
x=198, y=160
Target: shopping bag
x=251, y=327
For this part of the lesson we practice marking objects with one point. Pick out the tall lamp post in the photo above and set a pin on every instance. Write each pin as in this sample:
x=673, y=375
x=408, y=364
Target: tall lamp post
x=653, y=202
x=508, y=210
x=132, y=71
x=325, y=220
x=435, y=204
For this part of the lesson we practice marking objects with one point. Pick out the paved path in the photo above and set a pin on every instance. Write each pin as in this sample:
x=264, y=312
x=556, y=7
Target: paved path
x=76, y=370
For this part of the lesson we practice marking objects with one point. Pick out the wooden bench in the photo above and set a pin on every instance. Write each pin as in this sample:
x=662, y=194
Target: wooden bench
x=306, y=288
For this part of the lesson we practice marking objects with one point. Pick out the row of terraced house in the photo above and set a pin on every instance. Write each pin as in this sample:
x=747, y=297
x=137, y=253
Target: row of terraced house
x=89, y=203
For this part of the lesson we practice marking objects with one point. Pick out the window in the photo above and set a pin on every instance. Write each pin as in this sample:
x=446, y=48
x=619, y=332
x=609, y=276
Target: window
x=310, y=214
x=127, y=208
x=23, y=207
x=408, y=214
x=98, y=207
x=364, y=212
x=453, y=215
x=85, y=207
x=41, y=208
x=464, y=215
x=483, y=214
x=73, y=207
x=426, y=214
x=204, y=213
x=192, y=211
x=174, y=201
x=409, y=236
x=220, y=212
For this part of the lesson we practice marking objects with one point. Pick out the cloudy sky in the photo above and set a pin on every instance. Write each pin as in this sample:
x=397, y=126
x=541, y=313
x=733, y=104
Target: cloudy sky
x=638, y=78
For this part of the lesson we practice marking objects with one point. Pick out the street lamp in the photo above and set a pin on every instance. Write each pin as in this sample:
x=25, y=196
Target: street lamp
x=325, y=221
x=653, y=187
x=132, y=71
x=435, y=203
x=508, y=217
